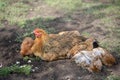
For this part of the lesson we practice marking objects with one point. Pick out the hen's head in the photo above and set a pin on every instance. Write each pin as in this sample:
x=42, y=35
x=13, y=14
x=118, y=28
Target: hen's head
x=39, y=32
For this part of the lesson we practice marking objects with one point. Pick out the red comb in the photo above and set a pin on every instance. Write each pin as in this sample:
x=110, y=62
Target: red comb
x=36, y=32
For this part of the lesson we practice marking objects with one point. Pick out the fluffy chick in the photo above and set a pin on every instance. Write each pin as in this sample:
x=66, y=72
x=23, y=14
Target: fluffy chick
x=26, y=46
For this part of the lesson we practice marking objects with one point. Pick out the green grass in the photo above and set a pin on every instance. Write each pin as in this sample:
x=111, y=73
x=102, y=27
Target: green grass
x=68, y=5
x=106, y=14
x=112, y=45
x=30, y=25
x=86, y=34
x=5, y=71
x=64, y=4
x=113, y=77
x=13, y=10
x=16, y=12
x=26, y=58
x=100, y=10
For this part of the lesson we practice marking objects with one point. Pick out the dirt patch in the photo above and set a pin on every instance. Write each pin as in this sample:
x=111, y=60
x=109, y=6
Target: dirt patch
x=8, y=46
x=39, y=9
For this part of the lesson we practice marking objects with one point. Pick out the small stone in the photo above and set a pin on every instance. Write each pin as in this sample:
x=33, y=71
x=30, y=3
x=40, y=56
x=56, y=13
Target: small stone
x=29, y=61
x=33, y=70
x=79, y=78
x=36, y=68
x=1, y=65
x=17, y=62
x=9, y=41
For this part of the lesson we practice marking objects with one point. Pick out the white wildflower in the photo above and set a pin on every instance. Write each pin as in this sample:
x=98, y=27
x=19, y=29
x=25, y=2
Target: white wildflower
x=22, y=66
